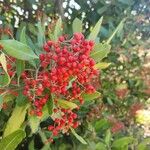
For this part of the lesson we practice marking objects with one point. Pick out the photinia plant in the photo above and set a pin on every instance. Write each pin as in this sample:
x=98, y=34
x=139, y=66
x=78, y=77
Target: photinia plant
x=49, y=79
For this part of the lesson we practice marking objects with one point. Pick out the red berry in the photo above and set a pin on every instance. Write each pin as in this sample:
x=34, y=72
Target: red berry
x=46, y=48
x=49, y=43
x=39, y=114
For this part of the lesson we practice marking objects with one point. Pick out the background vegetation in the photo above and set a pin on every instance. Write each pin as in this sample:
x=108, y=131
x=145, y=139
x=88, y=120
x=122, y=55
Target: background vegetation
x=109, y=122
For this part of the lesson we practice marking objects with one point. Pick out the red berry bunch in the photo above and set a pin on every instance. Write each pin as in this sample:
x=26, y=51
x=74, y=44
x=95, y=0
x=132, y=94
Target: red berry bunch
x=69, y=60
x=66, y=120
x=33, y=89
x=66, y=71
x=116, y=125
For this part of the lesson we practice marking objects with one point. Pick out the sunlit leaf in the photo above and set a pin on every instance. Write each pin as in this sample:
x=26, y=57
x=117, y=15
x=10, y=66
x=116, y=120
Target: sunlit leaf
x=88, y=97
x=34, y=122
x=101, y=50
x=16, y=119
x=11, y=141
x=102, y=65
x=4, y=79
x=66, y=104
x=95, y=30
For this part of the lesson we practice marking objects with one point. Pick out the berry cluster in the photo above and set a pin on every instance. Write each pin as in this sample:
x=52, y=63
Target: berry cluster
x=34, y=90
x=66, y=71
x=69, y=61
x=116, y=125
x=66, y=120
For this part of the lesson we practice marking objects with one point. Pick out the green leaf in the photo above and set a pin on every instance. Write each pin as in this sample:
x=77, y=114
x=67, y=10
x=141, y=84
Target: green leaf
x=44, y=138
x=108, y=137
x=66, y=104
x=122, y=142
x=101, y=124
x=127, y=2
x=41, y=34
x=31, y=145
x=50, y=106
x=95, y=30
x=78, y=136
x=118, y=29
x=109, y=101
x=5, y=79
x=102, y=65
x=23, y=36
x=100, y=51
x=58, y=29
x=144, y=144
x=77, y=25
x=21, y=100
x=8, y=97
x=45, y=113
x=18, y=50
x=20, y=29
x=20, y=66
x=34, y=123
x=88, y=97
x=32, y=28
x=11, y=141
x=100, y=146
x=16, y=119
